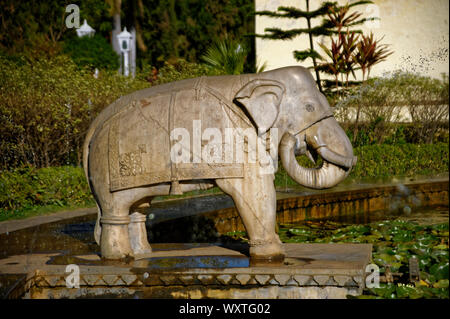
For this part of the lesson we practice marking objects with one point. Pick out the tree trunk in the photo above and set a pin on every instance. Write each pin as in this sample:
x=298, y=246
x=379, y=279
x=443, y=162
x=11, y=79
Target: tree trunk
x=115, y=32
x=311, y=44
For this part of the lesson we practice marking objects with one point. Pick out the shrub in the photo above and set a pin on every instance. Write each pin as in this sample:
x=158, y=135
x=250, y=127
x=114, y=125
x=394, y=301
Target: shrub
x=93, y=52
x=27, y=187
x=401, y=160
x=46, y=107
x=380, y=161
x=378, y=103
x=180, y=69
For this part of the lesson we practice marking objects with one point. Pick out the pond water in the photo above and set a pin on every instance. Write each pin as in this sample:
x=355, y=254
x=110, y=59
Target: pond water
x=76, y=236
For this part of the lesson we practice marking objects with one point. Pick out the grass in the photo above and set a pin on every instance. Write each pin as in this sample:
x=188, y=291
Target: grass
x=41, y=211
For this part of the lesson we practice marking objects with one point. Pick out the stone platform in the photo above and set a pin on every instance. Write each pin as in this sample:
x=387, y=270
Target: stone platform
x=195, y=271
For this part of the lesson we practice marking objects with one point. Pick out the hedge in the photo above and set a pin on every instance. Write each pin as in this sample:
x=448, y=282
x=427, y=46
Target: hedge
x=66, y=186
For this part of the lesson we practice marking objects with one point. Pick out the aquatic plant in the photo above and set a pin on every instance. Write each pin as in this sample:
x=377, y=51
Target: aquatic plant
x=394, y=243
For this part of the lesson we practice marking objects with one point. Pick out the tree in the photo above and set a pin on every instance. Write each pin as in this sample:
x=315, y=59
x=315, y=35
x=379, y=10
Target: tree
x=295, y=13
x=325, y=28
x=115, y=10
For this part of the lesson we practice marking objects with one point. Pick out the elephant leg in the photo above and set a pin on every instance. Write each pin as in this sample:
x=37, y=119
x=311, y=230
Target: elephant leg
x=124, y=234
x=138, y=231
x=255, y=199
x=138, y=236
x=115, y=242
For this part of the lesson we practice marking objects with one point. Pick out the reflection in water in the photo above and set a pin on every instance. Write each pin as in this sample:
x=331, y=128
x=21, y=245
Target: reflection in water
x=193, y=262
x=74, y=235
x=422, y=216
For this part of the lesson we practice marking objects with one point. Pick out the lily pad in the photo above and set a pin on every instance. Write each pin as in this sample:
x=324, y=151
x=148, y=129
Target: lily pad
x=408, y=292
x=440, y=271
x=443, y=283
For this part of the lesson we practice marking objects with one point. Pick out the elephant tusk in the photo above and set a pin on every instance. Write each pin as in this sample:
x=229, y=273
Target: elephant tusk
x=311, y=158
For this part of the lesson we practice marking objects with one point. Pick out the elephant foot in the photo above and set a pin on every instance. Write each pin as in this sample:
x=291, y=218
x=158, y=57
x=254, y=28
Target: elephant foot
x=138, y=236
x=115, y=242
x=266, y=251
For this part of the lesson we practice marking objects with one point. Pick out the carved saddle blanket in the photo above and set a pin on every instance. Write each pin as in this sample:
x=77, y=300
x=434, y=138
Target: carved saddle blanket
x=141, y=148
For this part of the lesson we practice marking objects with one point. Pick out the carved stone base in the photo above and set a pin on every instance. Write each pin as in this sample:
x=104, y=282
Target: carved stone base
x=200, y=271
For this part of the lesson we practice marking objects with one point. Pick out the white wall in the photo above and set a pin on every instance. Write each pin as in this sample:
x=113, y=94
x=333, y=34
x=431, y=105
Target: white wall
x=417, y=31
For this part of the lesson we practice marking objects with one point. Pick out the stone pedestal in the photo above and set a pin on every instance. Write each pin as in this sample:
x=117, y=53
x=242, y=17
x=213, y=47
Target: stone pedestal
x=198, y=271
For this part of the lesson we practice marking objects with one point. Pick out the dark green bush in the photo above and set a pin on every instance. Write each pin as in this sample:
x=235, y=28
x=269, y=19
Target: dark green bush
x=93, y=52
x=181, y=69
x=46, y=107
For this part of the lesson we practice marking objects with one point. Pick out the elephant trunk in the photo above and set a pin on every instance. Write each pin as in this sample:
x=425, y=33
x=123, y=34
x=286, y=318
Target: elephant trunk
x=335, y=167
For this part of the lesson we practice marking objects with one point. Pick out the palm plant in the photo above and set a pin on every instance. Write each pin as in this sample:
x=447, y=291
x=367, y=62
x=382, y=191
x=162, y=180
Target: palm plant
x=335, y=67
x=370, y=52
x=349, y=45
x=308, y=15
x=227, y=56
x=342, y=53
x=339, y=17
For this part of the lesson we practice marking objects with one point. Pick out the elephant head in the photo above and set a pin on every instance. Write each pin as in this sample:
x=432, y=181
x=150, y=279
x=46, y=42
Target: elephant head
x=288, y=99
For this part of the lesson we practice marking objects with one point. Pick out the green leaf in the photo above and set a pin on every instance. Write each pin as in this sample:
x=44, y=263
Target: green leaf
x=443, y=283
x=440, y=271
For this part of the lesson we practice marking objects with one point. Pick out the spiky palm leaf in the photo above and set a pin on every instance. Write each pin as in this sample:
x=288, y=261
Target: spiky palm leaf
x=370, y=52
x=227, y=56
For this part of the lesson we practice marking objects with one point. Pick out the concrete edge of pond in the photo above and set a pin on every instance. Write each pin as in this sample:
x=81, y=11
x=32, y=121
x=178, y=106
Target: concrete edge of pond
x=309, y=271
x=17, y=224
x=13, y=225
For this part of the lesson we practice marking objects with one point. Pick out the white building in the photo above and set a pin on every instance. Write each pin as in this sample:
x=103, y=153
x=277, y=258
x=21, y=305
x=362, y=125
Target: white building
x=416, y=30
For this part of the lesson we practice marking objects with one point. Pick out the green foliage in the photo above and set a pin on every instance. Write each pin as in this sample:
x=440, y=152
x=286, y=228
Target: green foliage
x=93, y=52
x=36, y=28
x=378, y=103
x=46, y=107
x=334, y=19
x=377, y=161
x=400, y=160
x=27, y=187
x=308, y=15
x=185, y=29
x=180, y=70
x=227, y=56
x=394, y=243
x=166, y=29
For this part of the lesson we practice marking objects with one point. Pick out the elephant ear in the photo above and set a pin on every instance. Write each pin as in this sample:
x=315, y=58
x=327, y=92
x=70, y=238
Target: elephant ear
x=262, y=99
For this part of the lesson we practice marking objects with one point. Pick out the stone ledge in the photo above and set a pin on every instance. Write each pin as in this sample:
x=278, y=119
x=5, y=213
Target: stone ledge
x=321, y=270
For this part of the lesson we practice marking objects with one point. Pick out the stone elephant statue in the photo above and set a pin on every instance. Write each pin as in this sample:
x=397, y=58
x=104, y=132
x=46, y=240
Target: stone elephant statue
x=194, y=134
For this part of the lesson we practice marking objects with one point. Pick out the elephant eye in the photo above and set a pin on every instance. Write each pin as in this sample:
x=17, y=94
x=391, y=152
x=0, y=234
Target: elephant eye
x=309, y=107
